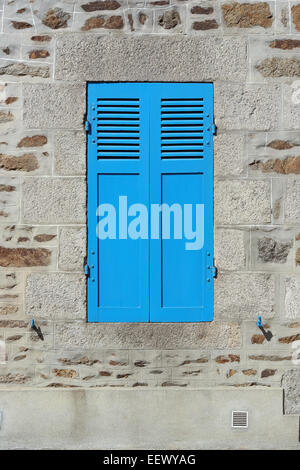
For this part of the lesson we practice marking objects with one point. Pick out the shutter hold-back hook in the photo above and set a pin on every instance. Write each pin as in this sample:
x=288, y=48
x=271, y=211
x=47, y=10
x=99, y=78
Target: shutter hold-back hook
x=37, y=329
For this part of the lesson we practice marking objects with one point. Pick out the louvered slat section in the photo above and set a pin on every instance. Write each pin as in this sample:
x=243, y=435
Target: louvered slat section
x=182, y=128
x=239, y=419
x=118, y=128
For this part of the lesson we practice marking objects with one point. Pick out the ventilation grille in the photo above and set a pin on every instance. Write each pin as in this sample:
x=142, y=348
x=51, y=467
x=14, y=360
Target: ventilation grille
x=118, y=128
x=239, y=419
x=182, y=128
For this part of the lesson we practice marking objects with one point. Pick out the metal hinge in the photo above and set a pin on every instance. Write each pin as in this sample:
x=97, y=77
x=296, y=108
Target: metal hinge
x=87, y=126
x=87, y=270
x=214, y=271
x=214, y=129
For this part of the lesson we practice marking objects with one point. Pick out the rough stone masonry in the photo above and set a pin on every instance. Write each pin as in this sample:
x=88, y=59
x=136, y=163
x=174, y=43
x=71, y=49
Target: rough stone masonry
x=251, y=52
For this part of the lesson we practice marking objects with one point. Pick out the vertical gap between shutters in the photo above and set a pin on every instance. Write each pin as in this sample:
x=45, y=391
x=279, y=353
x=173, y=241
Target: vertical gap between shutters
x=149, y=211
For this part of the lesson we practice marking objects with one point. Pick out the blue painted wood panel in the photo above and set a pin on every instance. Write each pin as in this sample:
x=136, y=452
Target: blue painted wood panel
x=153, y=143
x=118, y=166
x=181, y=171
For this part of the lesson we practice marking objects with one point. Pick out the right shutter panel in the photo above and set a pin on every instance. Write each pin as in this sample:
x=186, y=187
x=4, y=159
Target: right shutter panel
x=181, y=172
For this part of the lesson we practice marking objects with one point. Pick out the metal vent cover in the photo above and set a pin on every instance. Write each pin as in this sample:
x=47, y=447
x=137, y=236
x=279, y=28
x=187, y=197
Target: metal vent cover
x=239, y=419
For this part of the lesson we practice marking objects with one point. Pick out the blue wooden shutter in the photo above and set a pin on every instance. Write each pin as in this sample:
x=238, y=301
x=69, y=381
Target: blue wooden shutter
x=152, y=143
x=118, y=165
x=181, y=171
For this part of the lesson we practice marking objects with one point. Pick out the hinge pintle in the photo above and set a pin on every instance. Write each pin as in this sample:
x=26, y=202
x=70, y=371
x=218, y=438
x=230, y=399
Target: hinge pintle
x=87, y=126
x=214, y=129
x=214, y=272
x=87, y=270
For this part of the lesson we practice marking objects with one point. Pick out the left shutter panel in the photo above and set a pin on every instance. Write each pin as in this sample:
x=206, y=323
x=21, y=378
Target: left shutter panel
x=118, y=167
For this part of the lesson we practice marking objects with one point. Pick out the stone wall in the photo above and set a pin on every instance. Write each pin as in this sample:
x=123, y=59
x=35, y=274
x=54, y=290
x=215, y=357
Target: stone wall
x=251, y=52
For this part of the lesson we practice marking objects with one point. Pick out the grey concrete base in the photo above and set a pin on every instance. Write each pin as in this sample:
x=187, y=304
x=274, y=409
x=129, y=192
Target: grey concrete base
x=144, y=419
